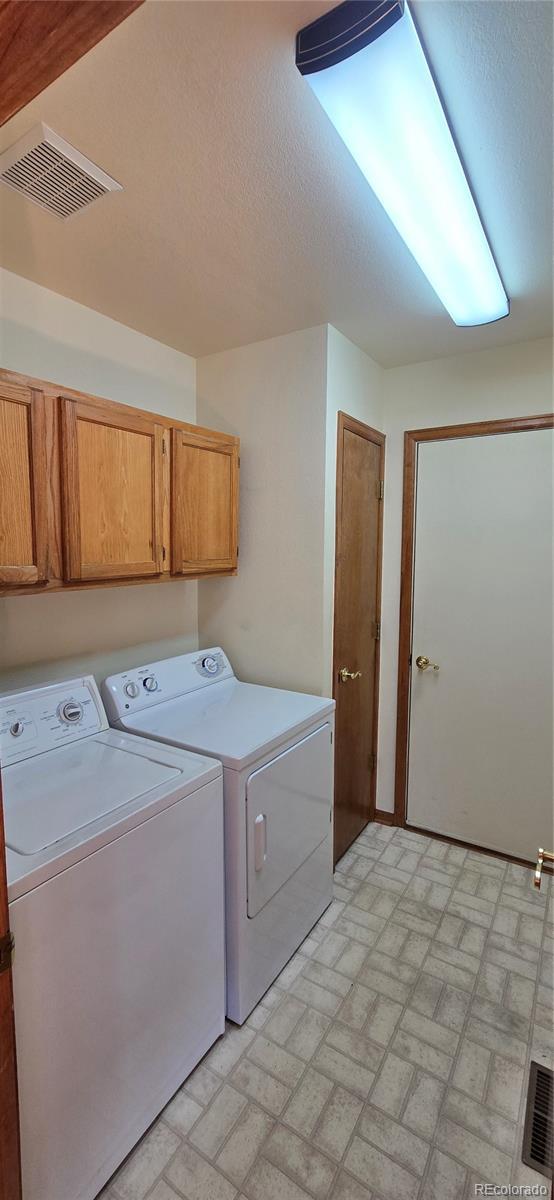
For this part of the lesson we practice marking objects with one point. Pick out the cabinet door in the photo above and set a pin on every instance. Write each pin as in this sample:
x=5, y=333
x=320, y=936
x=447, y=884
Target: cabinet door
x=204, y=503
x=111, y=492
x=23, y=486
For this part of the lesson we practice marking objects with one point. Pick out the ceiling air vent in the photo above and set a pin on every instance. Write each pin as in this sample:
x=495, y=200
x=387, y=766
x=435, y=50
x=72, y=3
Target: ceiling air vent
x=51, y=173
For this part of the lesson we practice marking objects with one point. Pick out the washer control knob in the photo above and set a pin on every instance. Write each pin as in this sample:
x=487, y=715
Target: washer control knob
x=17, y=728
x=71, y=711
x=131, y=689
x=210, y=664
x=150, y=683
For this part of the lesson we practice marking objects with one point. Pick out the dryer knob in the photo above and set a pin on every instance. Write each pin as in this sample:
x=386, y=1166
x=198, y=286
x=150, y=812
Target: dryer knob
x=150, y=683
x=131, y=689
x=210, y=664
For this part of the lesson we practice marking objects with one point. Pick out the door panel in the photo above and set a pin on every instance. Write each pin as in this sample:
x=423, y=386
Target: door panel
x=204, y=503
x=357, y=613
x=111, y=492
x=23, y=538
x=288, y=813
x=480, y=746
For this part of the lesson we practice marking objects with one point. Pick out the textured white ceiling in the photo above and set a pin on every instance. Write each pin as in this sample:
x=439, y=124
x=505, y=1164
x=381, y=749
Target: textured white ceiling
x=243, y=215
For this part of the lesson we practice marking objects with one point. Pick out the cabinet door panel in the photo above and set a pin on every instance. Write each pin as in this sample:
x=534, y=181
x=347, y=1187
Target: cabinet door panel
x=111, y=492
x=204, y=504
x=23, y=489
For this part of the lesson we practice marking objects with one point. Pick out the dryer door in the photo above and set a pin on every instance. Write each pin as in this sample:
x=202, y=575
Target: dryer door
x=288, y=814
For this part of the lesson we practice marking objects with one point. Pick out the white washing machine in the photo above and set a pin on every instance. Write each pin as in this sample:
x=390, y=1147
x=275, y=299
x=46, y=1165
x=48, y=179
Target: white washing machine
x=116, y=899
x=277, y=753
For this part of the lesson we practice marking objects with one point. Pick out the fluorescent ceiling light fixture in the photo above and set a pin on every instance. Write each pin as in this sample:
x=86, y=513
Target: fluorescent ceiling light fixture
x=367, y=67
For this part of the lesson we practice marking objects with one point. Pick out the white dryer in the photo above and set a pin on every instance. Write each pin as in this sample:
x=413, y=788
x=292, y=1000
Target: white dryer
x=115, y=889
x=277, y=753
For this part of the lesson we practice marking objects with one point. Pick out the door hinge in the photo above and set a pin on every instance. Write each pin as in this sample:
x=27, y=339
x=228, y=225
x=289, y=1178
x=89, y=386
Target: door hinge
x=7, y=944
x=377, y=634
x=372, y=761
x=381, y=489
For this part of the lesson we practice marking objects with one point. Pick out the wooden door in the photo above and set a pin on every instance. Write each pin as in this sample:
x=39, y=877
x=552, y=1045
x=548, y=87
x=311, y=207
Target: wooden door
x=204, y=503
x=23, y=486
x=10, y=1169
x=360, y=461
x=481, y=714
x=111, y=492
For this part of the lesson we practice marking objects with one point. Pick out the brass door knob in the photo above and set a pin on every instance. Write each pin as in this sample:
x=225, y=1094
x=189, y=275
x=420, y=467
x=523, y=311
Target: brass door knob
x=345, y=674
x=424, y=663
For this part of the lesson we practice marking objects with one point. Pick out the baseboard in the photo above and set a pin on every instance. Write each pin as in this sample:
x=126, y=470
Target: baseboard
x=384, y=817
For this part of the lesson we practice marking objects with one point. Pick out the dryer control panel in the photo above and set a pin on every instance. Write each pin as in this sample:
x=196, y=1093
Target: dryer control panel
x=45, y=717
x=155, y=682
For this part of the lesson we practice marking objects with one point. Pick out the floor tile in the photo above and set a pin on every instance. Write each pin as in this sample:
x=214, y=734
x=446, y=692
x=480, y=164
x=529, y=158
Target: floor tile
x=307, y=1035
x=393, y=1082
x=196, y=1179
x=493, y=1165
x=308, y=1167
x=284, y=1019
x=307, y=1104
x=347, y=1188
x=357, y=1006
x=379, y=1172
x=337, y=1124
x=496, y=1130
x=471, y=1070
x=422, y=1055
x=241, y=1149
x=423, y=1107
x=355, y=1045
x=211, y=1130
x=390, y=1136
x=148, y=1160
x=267, y=1182
x=281, y=1063
x=344, y=1071
x=182, y=1112
x=260, y=1086
x=445, y=1179
x=202, y=1084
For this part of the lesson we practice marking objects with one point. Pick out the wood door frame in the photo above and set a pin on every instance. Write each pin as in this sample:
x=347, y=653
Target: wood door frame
x=346, y=423
x=412, y=440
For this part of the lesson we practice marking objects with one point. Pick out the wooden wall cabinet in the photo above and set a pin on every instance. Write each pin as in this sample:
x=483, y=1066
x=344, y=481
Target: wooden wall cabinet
x=111, y=492
x=23, y=486
x=204, y=503
x=94, y=493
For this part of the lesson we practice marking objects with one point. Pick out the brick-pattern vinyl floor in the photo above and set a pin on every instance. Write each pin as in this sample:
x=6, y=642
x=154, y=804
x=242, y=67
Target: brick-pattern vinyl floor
x=390, y=1059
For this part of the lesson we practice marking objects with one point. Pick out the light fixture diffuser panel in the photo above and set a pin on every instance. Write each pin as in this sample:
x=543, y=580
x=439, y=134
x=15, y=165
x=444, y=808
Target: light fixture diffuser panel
x=49, y=171
x=383, y=101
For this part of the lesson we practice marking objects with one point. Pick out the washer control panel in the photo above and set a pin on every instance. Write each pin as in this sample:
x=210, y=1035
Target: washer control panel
x=165, y=680
x=45, y=717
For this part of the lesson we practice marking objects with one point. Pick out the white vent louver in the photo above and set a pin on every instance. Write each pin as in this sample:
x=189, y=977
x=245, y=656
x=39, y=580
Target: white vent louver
x=51, y=173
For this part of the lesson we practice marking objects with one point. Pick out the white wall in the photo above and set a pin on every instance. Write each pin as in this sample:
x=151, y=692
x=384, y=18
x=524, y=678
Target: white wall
x=507, y=382
x=47, y=336
x=270, y=618
x=354, y=386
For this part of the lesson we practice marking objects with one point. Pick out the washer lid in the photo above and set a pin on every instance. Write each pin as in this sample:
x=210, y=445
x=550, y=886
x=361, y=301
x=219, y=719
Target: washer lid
x=58, y=793
x=235, y=722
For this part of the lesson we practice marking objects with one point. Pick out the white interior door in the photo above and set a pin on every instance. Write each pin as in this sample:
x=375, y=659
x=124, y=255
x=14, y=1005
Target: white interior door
x=480, y=761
